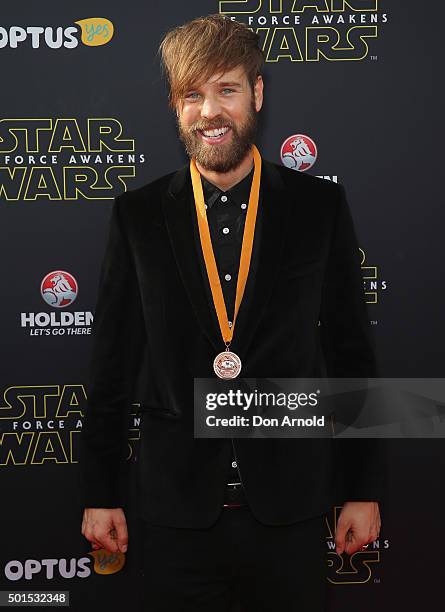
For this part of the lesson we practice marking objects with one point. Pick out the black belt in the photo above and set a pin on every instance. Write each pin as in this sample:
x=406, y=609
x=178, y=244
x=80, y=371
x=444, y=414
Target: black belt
x=234, y=496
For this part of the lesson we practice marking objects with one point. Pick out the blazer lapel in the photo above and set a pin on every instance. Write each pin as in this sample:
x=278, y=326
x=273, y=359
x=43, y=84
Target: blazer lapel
x=178, y=211
x=266, y=257
x=178, y=217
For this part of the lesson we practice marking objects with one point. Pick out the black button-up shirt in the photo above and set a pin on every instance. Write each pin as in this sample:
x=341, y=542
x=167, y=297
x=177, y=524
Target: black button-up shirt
x=226, y=214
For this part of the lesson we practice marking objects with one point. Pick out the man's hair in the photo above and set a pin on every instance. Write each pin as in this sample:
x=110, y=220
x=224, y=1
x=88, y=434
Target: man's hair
x=193, y=52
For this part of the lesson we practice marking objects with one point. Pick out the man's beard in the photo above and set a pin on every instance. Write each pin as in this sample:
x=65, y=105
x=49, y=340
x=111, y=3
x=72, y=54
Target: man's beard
x=220, y=157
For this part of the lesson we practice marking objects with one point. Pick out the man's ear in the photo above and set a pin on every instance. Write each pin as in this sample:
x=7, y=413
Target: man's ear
x=258, y=92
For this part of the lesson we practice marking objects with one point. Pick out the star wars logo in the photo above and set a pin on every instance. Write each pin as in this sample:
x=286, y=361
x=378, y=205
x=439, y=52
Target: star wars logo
x=45, y=422
x=371, y=282
x=321, y=30
x=358, y=568
x=65, y=159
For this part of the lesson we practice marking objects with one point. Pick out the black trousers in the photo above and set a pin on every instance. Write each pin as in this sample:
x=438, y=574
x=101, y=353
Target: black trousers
x=237, y=564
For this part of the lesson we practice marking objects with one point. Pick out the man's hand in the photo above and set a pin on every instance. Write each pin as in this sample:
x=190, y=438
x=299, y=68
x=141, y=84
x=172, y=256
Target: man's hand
x=358, y=525
x=106, y=528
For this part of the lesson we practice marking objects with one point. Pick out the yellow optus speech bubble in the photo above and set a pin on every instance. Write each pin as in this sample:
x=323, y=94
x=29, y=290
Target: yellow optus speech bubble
x=96, y=31
x=106, y=562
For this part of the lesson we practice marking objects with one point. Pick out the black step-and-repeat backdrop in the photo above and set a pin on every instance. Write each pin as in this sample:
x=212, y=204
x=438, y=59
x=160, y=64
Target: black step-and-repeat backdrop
x=349, y=96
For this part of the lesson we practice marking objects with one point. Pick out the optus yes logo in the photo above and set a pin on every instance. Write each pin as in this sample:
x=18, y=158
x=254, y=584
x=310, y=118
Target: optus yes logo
x=96, y=31
x=99, y=562
x=93, y=32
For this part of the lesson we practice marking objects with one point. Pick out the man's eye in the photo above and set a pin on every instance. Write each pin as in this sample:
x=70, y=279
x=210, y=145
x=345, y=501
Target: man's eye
x=228, y=89
x=192, y=95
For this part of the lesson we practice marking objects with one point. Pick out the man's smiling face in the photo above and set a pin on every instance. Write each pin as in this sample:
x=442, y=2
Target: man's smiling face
x=217, y=120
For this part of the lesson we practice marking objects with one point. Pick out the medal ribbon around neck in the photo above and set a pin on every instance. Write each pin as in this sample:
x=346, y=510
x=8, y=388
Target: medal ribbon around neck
x=246, y=249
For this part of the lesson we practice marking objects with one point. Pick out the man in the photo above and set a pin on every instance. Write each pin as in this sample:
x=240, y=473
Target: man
x=244, y=518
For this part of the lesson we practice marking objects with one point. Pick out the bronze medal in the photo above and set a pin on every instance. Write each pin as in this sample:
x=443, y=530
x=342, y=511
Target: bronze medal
x=227, y=364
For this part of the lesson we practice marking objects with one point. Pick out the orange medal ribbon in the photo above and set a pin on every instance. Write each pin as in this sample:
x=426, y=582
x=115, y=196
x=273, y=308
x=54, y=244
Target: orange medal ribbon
x=209, y=257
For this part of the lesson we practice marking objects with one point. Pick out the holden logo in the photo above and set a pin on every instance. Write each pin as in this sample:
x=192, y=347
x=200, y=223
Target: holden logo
x=59, y=289
x=298, y=152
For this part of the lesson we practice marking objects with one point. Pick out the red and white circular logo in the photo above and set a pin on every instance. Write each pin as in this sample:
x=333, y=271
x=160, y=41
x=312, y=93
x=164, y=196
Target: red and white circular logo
x=59, y=288
x=298, y=152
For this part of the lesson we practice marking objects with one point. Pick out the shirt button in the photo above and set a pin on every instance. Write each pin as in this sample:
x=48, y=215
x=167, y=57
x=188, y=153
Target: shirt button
x=228, y=277
x=243, y=206
x=226, y=230
x=234, y=464
x=205, y=205
x=223, y=198
x=230, y=323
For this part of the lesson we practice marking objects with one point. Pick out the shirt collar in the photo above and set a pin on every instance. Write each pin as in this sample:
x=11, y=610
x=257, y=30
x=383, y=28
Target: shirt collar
x=238, y=193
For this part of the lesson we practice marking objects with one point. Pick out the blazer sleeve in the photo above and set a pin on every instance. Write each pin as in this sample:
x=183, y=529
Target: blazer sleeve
x=118, y=337
x=349, y=352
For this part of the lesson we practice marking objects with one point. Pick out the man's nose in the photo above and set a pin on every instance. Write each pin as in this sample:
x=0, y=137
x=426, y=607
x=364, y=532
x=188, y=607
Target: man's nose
x=210, y=108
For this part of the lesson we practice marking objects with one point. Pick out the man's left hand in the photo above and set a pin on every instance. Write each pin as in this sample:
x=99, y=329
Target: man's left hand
x=358, y=525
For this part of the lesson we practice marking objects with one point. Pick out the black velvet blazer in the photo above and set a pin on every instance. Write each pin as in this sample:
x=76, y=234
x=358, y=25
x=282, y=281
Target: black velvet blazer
x=153, y=309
